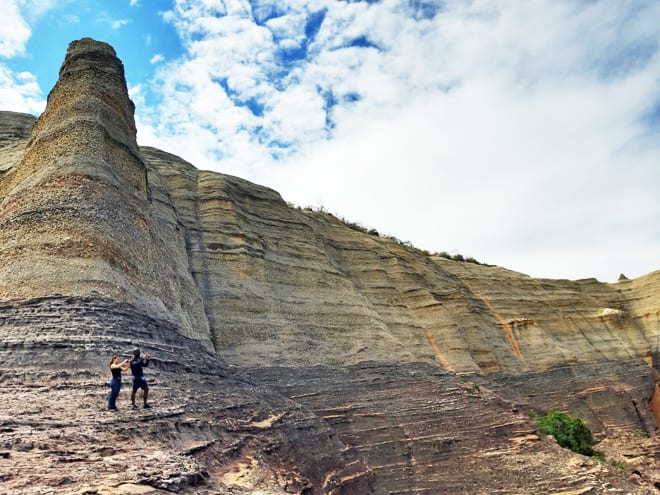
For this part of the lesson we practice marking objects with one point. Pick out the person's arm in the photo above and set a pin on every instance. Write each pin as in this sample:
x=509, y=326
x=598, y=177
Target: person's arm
x=147, y=357
x=122, y=366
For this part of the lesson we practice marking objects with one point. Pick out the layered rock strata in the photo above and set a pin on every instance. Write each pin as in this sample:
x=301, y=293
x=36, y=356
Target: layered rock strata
x=93, y=264
x=274, y=278
x=211, y=429
x=422, y=431
x=261, y=280
x=358, y=364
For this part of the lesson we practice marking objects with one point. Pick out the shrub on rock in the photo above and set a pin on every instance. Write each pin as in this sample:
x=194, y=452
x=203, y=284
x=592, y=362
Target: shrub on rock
x=569, y=431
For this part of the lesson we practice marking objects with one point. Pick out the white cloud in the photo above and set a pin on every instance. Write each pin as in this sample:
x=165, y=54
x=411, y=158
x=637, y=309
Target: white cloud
x=446, y=175
x=34, y=9
x=509, y=131
x=158, y=57
x=20, y=92
x=115, y=24
x=118, y=23
x=289, y=29
x=14, y=31
x=134, y=3
x=71, y=19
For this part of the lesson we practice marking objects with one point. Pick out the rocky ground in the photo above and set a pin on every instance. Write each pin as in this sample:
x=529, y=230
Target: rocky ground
x=57, y=437
x=425, y=431
x=211, y=424
x=378, y=429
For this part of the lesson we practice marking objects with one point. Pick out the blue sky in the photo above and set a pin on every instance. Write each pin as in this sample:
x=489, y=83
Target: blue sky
x=524, y=134
x=135, y=29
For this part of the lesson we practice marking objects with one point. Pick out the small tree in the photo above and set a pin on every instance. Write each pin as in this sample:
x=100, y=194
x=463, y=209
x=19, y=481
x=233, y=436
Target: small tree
x=569, y=431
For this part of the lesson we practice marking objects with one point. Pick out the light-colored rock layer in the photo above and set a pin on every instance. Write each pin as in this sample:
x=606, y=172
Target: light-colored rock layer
x=232, y=263
x=293, y=287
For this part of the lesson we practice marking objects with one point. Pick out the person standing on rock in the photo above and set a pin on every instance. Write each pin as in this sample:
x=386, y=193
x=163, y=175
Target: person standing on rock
x=139, y=381
x=115, y=384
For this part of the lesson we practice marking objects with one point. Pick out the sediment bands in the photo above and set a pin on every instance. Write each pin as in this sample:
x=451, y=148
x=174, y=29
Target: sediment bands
x=293, y=352
x=289, y=286
x=266, y=283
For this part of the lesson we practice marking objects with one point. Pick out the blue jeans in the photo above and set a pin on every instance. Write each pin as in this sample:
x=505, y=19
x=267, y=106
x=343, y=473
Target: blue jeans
x=115, y=385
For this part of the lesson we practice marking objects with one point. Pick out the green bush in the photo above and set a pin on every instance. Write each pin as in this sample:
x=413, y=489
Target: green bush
x=569, y=431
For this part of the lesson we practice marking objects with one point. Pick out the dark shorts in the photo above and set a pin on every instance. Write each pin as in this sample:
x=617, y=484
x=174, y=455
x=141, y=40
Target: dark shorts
x=140, y=383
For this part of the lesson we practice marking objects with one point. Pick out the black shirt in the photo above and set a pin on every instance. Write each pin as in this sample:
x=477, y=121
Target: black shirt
x=116, y=373
x=137, y=365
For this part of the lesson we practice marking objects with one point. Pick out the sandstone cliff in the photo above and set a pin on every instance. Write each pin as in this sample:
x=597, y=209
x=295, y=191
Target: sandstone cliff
x=275, y=280
x=232, y=265
x=344, y=347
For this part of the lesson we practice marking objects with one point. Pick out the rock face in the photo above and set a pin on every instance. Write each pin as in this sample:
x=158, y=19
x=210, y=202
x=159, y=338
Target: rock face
x=277, y=280
x=294, y=354
x=76, y=212
x=420, y=430
x=210, y=426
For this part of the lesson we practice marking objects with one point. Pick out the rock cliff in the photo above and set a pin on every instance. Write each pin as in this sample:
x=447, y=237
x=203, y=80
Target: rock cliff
x=294, y=354
x=274, y=278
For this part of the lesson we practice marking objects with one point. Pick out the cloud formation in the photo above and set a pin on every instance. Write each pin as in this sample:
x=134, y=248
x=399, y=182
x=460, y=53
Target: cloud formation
x=521, y=133
x=14, y=31
x=114, y=23
x=19, y=91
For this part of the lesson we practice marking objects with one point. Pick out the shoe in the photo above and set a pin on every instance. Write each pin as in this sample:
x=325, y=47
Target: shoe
x=134, y=406
x=113, y=409
x=147, y=406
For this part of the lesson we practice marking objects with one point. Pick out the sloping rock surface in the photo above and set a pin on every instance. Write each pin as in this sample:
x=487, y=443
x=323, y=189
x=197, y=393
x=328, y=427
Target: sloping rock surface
x=422, y=431
x=293, y=353
x=211, y=429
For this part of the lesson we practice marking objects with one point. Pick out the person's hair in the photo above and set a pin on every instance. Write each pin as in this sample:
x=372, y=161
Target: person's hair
x=136, y=353
x=112, y=360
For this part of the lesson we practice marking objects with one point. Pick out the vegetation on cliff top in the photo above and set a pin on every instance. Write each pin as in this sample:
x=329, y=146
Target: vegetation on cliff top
x=370, y=231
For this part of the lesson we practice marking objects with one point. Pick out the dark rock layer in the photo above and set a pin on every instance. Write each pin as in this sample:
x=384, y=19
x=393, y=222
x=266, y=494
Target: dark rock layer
x=421, y=430
x=211, y=426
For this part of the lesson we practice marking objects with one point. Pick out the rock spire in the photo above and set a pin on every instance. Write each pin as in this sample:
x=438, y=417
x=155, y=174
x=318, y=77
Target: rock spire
x=76, y=213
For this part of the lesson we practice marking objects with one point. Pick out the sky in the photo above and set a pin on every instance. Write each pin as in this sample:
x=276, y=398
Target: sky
x=525, y=134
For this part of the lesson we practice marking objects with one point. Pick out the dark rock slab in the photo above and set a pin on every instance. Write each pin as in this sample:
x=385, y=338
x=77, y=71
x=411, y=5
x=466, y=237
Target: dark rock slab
x=210, y=427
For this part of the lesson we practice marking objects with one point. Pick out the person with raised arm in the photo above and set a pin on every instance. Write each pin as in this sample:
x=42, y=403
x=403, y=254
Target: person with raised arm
x=115, y=384
x=139, y=381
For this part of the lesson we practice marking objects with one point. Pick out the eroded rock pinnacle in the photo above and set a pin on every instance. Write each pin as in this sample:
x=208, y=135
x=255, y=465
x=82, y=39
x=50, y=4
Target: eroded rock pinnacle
x=76, y=213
